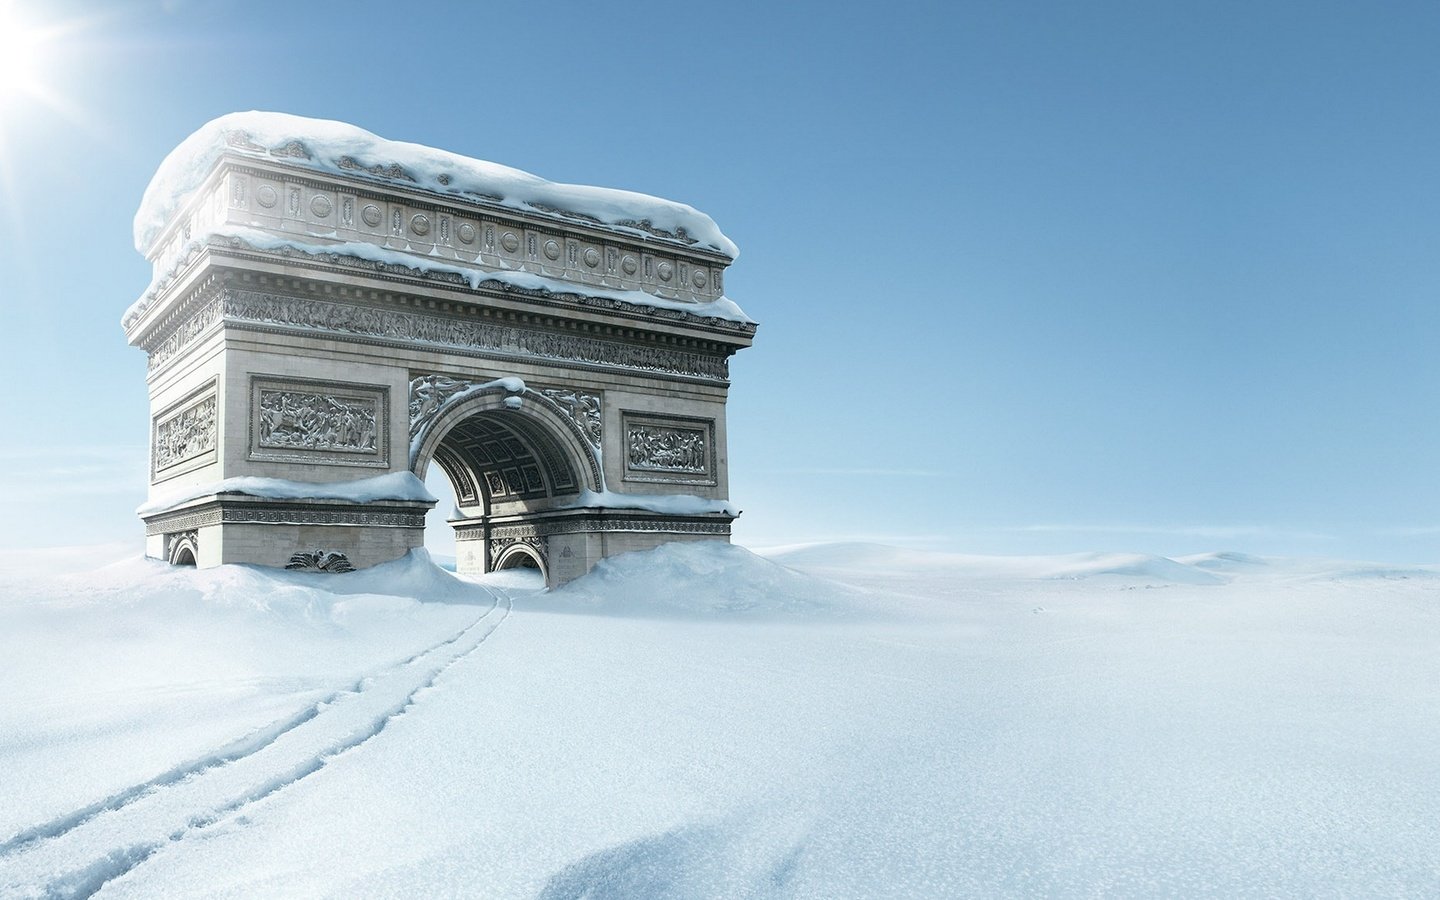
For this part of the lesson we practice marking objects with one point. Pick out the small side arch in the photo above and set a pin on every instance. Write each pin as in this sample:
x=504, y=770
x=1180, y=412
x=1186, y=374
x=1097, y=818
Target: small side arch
x=184, y=549
x=521, y=555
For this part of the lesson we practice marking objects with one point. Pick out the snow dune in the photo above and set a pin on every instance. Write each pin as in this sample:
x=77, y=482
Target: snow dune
x=698, y=721
x=881, y=557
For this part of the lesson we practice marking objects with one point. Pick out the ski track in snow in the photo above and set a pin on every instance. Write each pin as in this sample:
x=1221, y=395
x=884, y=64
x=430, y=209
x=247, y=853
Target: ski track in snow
x=77, y=854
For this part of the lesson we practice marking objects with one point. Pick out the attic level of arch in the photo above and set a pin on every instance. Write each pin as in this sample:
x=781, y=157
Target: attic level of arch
x=364, y=185
x=469, y=228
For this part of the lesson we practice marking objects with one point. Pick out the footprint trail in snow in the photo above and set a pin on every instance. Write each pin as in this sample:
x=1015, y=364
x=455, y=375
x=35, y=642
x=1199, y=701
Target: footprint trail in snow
x=77, y=854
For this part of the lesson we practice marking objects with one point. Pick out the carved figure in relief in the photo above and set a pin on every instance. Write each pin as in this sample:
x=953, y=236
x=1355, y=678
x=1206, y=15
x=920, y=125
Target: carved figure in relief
x=291, y=419
x=428, y=393
x=666, y=449
x=584, y=409
x=321, y=561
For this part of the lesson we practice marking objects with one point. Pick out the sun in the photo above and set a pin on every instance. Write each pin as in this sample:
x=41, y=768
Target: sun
x=21, y=57
x=31, y=50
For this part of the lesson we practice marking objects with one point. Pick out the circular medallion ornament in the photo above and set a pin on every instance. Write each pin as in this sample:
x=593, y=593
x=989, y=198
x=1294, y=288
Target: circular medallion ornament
x=321, y=206
x=665, y=270
x=370, y=215
x=592, y=257
x=420, y=225
x=698, y=278
x=510, y=242
x=552, y=250
x=466, y=231
x=629, y=265
x=267, y=197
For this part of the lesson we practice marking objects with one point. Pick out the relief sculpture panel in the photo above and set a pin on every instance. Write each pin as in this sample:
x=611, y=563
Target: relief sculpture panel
x=317, y=421
x=666, y=449
x=312, y=421
x=669, y=450
x=183, y=436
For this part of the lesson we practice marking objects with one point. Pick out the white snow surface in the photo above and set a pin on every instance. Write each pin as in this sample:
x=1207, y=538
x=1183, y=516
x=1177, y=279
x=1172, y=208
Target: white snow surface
x=673, y=504
x=435, y=170
x=698, y=721
x=394, y=486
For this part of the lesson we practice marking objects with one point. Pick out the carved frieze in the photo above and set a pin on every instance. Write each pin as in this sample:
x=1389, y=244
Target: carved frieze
x=608, y=524
x=183, y=435
x=484, y=338
x=185, y=333
x=216, y=514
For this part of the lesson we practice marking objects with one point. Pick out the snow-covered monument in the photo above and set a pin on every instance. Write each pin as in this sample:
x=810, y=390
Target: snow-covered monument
x=331, y=312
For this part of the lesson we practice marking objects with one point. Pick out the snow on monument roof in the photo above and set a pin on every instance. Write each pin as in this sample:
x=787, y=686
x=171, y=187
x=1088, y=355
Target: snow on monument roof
x=342, y=149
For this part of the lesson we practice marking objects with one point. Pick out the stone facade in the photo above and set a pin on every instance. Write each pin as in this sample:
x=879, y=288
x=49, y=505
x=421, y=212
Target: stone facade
x=279, y=346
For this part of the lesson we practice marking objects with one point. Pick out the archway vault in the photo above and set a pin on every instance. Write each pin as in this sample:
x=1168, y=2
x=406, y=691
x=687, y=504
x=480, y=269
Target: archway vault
x=504, y=446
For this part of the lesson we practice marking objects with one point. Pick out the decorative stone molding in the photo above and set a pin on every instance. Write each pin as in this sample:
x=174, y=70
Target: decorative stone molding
x=185, y=433
x=327, y=422
x=595, y=522
x=249, y=510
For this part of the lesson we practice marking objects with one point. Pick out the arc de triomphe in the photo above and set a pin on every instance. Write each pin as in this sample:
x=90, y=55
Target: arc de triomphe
x=331, y=313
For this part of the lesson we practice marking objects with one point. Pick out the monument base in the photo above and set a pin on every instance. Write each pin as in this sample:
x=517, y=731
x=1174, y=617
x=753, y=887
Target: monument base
x=565, y=544
x=302, y=534
x=340, y=535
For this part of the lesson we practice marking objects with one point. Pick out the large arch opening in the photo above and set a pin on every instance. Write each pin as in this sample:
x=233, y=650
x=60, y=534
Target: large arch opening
x=509, y=461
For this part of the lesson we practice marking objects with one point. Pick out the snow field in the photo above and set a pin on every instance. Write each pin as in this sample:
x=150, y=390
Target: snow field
x=700, y=722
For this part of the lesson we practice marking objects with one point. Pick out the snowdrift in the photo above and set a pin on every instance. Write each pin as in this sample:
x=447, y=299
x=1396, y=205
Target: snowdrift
x=1130, y=567
x=704, y=579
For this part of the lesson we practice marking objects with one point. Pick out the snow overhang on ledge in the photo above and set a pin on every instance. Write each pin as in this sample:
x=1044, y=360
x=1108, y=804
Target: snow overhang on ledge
x=722, y=308
x=668, y=504
x=336, y=148
x=396, y=487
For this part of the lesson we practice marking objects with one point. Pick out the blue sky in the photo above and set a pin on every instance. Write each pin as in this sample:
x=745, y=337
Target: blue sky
x=1031, y=277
